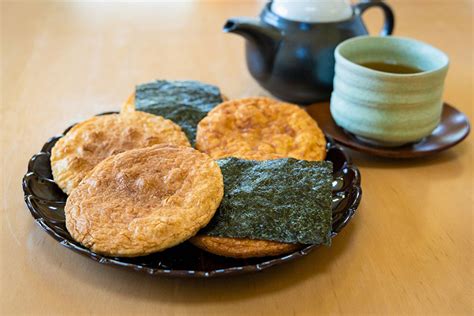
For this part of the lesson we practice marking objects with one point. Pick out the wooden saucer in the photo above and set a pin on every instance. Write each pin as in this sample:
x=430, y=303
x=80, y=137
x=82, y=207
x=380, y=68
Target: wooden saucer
x=453, y=128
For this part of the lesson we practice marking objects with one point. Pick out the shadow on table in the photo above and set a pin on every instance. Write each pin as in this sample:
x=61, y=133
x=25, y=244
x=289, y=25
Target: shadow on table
x=140, y=286
x=368, y=161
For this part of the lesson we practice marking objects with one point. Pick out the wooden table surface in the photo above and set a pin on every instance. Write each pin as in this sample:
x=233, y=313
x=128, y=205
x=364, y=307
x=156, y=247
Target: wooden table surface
x=409, y=250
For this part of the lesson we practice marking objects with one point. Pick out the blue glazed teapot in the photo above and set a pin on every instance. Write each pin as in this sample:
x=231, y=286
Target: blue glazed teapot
x=290, y=49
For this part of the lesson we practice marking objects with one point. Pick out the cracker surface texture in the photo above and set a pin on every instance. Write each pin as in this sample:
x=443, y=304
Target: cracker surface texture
x=259, y=126
x=99, y=137
x=144, y=200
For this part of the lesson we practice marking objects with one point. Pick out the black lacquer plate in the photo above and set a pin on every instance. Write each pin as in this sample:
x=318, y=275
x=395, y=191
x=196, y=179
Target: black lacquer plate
x=46, y=203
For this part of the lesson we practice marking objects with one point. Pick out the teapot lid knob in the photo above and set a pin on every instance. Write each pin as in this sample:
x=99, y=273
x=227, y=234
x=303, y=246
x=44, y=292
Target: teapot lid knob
x=313, y=11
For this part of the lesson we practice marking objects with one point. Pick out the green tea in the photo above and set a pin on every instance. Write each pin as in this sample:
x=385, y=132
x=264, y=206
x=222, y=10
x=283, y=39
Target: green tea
x=392, y=68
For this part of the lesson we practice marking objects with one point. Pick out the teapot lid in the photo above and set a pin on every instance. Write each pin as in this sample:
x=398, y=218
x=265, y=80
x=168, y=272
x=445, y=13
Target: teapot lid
x=313, y=11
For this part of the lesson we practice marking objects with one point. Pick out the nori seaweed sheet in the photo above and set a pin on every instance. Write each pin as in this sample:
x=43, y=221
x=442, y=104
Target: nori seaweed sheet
x=184, y=102
x=285, y=200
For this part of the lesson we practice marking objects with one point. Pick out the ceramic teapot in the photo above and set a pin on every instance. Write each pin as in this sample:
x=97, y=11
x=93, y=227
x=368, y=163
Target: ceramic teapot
x=290, y=49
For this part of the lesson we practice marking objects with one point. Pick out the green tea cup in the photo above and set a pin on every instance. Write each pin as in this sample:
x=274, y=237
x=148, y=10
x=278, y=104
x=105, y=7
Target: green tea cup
x=387, y=108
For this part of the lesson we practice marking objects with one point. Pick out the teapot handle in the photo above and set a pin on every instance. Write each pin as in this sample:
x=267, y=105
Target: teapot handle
x=389, y=23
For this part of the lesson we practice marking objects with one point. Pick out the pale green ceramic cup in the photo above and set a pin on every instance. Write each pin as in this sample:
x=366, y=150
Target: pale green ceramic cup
x=382, y=108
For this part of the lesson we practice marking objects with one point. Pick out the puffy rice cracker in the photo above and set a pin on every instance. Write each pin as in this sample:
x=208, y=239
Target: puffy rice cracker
x=260, y=126
x=144, y=200
x=99, y=137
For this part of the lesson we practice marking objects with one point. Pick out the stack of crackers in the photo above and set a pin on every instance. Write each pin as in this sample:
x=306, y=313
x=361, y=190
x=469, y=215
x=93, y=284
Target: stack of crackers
x=136, y=186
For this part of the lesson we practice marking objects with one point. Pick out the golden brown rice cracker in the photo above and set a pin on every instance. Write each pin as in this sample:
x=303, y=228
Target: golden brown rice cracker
x=99, y=137
x=144, y=200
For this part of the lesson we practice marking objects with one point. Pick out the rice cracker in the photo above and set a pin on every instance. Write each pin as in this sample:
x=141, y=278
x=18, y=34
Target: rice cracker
x=144, y=200
x=99, y=137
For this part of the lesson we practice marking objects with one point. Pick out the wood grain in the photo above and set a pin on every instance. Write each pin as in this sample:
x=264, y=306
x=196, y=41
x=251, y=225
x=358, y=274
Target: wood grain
x=409, y=250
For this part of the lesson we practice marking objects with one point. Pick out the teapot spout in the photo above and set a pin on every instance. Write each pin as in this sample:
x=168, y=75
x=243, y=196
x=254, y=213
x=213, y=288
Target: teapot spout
x=251, y=27
x=262, y=43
